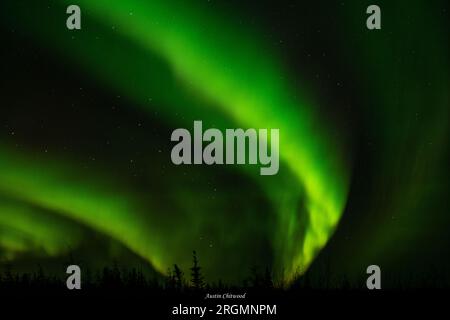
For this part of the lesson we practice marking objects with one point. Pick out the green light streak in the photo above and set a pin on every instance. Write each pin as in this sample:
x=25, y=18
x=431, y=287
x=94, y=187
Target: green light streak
x=24, y=228
x=58, y=188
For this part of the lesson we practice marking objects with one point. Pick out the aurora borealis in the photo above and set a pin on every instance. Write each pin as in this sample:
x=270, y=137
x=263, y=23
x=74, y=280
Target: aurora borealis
x=85, y=146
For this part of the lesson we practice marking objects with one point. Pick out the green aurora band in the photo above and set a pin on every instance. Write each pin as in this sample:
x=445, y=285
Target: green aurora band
x=190, y=61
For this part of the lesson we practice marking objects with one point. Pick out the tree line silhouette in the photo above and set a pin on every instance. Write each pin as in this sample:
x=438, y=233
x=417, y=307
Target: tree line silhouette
x=115, y=278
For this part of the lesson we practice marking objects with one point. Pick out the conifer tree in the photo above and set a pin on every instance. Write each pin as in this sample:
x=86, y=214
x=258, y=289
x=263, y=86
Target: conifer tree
x=196, y=276
x=178, y=274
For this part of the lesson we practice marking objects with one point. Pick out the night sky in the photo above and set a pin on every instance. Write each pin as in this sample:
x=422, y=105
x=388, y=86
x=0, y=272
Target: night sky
x=86, y=118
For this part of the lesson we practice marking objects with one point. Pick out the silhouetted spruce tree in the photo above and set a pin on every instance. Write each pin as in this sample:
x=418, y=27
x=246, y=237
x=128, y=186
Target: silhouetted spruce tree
x=116, y=274
x=8, y=274
x=87, y=278
x=170, y=280
x=130, y=278
x=178, y=274
x=141, y=280
x=255, y=278
x=267, y=281
x=39, y=277
x=196, y=276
